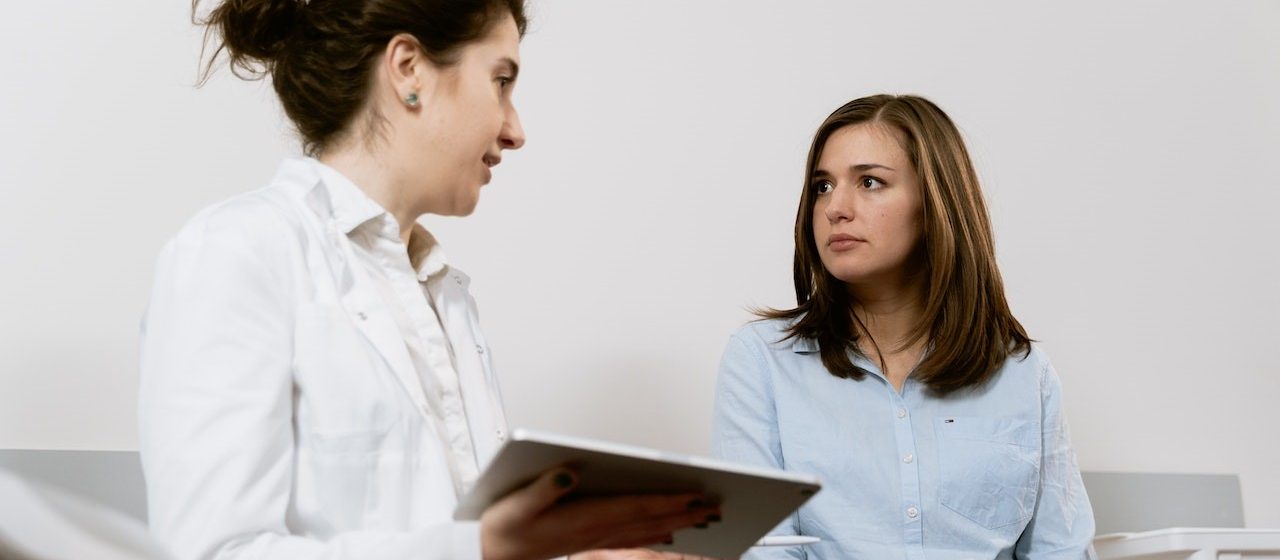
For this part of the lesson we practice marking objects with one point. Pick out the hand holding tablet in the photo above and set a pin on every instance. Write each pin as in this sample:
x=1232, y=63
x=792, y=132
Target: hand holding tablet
x=751, y=500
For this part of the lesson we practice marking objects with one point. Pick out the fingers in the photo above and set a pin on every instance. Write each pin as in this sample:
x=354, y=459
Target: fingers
x=666, y=525
x=557, y=527
x=626, y=510
x=658, y=530
x=543, y=492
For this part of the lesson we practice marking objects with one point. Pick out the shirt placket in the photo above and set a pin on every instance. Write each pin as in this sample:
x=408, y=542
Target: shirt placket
x=441, y=379
x=445, y=376
x=909, y=474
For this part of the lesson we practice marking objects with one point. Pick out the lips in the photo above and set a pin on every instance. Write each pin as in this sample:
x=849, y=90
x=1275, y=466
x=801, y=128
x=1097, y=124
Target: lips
x=489, y=162
x=843, y=241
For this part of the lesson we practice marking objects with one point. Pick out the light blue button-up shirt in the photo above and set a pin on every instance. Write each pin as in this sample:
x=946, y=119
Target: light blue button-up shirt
x=980, y=474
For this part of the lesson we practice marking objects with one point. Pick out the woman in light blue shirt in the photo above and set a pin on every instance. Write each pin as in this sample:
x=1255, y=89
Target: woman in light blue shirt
x=901, y=377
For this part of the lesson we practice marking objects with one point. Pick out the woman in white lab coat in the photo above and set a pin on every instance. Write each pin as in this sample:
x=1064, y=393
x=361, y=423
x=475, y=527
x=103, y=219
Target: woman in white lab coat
x=314, y=380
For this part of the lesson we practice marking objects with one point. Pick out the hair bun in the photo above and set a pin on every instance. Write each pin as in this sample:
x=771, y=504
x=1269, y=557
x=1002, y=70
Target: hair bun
x=255, y=29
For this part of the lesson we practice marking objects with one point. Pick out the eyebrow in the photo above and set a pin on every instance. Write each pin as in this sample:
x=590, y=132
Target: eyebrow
x=511, y=65
x=819, y=172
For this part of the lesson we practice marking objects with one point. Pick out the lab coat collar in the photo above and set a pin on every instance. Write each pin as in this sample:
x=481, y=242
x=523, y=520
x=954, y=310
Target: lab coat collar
x=350, y=208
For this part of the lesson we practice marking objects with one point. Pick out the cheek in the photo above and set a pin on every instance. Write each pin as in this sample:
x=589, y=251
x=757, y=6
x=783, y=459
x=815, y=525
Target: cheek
x=906, y=229
x=819, y=214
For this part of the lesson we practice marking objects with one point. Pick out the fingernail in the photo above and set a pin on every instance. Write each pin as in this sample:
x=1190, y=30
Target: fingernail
x=697, y=503
x=669, y=541
x=713, y=518
x=700, y=525
x=563, y=479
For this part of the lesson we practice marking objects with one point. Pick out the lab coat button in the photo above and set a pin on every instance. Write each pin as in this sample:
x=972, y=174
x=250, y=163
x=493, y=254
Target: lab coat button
x=479, y=349
x=361, y=315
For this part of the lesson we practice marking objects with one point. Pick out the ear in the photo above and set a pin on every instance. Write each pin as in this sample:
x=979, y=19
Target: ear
x=406, y=69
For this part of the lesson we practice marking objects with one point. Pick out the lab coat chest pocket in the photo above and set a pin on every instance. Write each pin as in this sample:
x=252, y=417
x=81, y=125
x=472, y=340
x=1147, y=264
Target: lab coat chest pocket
x=346, y=398
x=990, y=468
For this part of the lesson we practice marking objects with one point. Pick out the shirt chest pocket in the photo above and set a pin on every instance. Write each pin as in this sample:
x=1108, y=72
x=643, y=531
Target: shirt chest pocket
x=989, y=468
x=346, y=400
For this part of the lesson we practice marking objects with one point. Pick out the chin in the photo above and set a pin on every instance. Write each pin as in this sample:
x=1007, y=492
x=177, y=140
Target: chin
x=466, y=207
x=852, y=274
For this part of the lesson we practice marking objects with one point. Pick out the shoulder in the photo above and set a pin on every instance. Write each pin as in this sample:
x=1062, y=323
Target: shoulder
x=1035, y=359
x=765, y=347
x=768, y=335
x=264, y=222
x=1032, y=367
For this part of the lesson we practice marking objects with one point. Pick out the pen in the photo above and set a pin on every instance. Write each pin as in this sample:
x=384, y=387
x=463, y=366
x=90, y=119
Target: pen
x=787, y=541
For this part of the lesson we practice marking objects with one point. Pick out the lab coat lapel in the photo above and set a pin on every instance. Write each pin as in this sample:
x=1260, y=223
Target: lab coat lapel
x=377, y=325
x=360, y=299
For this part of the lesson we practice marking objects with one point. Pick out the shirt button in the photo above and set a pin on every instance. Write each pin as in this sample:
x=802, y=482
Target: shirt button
x=909, y=458
x=913, y=512
x=902, y=413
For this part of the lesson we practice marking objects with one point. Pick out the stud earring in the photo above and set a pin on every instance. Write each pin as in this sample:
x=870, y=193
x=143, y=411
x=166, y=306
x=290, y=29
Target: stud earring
x=411, y=99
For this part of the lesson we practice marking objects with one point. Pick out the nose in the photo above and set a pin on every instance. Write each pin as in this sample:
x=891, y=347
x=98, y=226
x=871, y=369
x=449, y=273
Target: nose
x=512, y=135
x=839, y=207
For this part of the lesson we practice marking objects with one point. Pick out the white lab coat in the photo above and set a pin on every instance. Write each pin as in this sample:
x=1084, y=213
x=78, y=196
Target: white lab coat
x=281, y=416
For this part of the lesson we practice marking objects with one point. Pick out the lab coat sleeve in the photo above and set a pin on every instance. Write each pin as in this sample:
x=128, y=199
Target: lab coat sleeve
x=216, y=402
x=744, y=426
x=1062, y=526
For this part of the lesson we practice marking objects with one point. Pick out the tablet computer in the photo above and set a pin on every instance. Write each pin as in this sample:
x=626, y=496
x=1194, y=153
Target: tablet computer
x=752, y=500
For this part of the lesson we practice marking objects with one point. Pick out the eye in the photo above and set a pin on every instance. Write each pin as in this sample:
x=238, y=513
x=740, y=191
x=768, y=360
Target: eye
x=870, y=183
x=504, y=82
x=823, y=187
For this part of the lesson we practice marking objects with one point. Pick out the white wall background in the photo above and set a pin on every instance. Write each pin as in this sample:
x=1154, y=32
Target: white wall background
x=1128, y=150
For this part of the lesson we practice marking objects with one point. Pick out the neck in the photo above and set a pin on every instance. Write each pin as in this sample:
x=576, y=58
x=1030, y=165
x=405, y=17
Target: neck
x=888, y=313
x=373, y=176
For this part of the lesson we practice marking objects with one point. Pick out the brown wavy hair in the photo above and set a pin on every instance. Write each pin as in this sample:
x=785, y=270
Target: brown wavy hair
x=966, y=320
x=320, y=53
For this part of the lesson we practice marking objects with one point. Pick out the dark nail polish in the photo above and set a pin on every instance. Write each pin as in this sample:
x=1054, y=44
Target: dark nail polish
x=669, y=541
x=713, y=518
x=564, y=480
x=700, y=525
x=697, y=503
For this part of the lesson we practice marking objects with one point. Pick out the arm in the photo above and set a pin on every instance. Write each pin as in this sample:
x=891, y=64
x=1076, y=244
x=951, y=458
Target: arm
x=1062, y=526
x=744, y=427
x=216, y=408
x=217, y=441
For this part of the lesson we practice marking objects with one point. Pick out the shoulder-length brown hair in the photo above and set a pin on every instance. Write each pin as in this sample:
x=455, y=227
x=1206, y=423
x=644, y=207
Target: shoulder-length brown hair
x=966, y=320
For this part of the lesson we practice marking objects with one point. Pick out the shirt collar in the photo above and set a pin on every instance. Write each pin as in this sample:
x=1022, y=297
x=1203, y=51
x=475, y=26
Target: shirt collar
x=351, y=208
x=802, y=345
x=425, y=254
